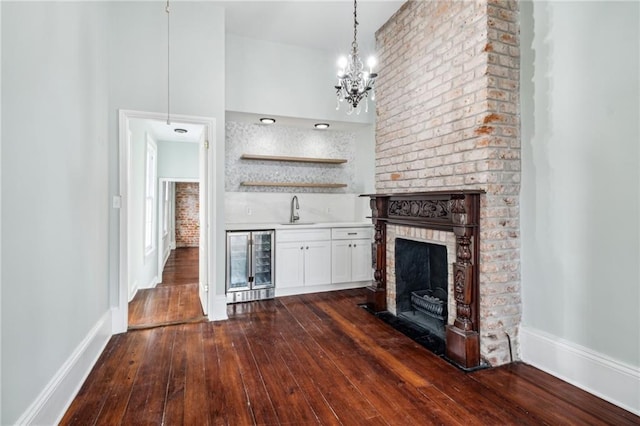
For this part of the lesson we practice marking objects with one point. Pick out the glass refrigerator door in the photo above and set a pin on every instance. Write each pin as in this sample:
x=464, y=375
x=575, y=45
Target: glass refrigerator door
x=263, y=259
x=238, y=261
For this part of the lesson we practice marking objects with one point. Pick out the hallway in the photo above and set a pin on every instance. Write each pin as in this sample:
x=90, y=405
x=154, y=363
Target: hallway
x=173, y=301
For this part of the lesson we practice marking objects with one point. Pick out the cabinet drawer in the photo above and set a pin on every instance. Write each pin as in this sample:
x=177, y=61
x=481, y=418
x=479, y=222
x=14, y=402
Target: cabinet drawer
x=287, y=235
x=351, y=233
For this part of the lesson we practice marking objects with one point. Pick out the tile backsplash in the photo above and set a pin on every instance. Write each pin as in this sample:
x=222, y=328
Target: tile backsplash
x=259, y=139
x=261, y=207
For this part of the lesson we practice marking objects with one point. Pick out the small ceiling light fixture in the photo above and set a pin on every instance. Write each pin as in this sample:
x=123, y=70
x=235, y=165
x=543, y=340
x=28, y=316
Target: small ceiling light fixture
x=178, y=130
x=321, y=126
x=267, y=120
x=354, y=83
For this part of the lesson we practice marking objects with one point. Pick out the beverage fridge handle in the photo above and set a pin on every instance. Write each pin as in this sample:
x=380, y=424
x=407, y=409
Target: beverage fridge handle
x=249, y=258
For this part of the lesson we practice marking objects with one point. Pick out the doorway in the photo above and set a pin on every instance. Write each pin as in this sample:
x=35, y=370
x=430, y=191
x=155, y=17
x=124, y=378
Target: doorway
x=167, y=283
x=174, y=299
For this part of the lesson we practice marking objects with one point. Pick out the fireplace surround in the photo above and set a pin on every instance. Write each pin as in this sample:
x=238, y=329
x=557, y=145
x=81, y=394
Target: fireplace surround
x=456, y=211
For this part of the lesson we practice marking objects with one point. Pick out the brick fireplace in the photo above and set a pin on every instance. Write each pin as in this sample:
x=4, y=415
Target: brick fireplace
x=448, y=122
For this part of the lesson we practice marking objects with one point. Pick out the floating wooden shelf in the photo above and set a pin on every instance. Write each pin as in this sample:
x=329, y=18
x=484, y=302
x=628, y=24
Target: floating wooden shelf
x=293, y=159
x=295, y=184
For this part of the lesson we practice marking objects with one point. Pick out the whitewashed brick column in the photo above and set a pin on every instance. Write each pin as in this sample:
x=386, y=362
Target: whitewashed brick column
x=448, y=118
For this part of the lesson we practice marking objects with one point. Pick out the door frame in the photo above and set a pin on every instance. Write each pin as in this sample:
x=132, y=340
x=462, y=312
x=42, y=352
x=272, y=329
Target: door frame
x=120, y=314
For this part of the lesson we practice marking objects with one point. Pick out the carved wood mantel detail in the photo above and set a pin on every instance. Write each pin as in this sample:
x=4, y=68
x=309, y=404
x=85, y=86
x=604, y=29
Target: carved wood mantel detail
x=453, y=211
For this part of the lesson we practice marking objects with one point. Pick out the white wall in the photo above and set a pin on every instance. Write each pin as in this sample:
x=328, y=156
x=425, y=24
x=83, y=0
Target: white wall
x=0, y=220
x=273, y=78
x=137, y=80
x=55, y=199
x=178, y=160
x=580, y=181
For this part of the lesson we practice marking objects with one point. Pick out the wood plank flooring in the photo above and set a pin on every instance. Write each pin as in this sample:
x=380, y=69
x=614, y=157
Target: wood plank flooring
x=175, y=299
x=315, y=359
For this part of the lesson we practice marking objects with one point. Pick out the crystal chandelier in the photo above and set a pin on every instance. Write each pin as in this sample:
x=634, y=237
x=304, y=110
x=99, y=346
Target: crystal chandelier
x=354, y=83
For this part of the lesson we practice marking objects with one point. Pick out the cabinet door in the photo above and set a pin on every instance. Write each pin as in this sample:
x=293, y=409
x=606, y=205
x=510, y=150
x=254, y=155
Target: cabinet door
x=317, y=262
x=361, y=269
x=289, y=265
x=341, y=261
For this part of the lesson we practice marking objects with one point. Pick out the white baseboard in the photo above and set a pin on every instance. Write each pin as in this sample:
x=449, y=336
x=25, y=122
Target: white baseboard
x=290, y=291
x=49, y=407
x=153, y=283
x=119, y=320
x=167, y=253
x=218, y=311
x=133, y=290
x=611, y=380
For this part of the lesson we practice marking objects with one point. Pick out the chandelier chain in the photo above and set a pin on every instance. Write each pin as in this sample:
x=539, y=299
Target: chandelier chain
x=354, y=45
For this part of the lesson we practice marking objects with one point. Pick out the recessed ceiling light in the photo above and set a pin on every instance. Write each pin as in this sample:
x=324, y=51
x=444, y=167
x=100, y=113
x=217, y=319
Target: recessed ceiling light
x=321, y=125
x=180, y=130
x=267, y=120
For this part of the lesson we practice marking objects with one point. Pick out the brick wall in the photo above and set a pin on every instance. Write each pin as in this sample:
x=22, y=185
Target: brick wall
x=448, y=117
x=187, y=214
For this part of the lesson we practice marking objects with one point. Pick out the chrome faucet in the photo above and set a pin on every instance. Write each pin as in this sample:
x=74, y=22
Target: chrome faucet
x=294, y=216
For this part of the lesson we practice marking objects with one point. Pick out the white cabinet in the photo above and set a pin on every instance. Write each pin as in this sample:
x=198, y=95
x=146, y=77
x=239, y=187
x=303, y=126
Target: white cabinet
x=351, y=255
x=303, y=258
x=289, y=265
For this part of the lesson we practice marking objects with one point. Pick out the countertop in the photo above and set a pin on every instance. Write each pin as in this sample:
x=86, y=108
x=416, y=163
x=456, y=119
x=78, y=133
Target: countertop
x=299, y=225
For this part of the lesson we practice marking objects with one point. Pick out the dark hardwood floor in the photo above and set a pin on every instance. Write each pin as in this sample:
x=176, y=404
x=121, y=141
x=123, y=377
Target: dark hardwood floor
x=175, y=300
x=313, y=359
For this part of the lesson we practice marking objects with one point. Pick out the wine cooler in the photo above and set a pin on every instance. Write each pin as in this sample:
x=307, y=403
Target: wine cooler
x=250, y=274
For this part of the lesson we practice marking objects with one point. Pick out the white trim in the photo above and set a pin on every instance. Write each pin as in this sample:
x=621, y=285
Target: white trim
x=596, y=373
x=153, y=283
x=133, y=290
x=219, y=311
x=181, y=180
x=167, y=253
x=49, y=407
x=150, y=182
x=290, y=291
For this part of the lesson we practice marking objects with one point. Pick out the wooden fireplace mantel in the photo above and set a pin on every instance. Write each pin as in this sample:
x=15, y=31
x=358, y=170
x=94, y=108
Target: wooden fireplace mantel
x=456, y=211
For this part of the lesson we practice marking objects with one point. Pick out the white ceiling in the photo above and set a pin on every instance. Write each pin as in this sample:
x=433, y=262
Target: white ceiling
x=166, y=132
x=326, y=25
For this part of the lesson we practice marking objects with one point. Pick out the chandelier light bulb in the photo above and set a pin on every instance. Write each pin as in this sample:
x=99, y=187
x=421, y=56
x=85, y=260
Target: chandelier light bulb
x=371, y=63
x=342, y=63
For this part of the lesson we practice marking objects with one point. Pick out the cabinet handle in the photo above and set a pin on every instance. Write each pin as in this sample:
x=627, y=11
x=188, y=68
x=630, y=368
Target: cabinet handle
x=307, y=247
x=301, y=248
x=354, y=245
x=349, y=245
x=352, y=233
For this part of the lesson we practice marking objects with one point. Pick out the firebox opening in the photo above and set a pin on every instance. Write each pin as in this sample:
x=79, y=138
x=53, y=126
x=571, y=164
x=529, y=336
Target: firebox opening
x=421, y=284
